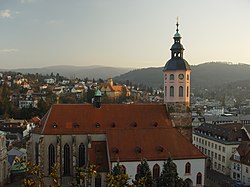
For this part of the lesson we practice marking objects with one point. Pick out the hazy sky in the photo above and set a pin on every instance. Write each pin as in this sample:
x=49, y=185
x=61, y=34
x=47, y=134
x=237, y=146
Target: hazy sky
x=122, y=33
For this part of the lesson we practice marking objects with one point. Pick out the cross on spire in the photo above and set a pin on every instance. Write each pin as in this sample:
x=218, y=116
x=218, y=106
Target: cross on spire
x=177, y=24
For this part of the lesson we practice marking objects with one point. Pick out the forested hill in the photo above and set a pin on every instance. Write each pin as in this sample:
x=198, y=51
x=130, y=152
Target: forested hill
x=203, y=76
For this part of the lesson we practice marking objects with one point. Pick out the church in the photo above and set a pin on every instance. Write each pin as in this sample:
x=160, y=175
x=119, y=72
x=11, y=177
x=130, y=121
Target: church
x=74, y=135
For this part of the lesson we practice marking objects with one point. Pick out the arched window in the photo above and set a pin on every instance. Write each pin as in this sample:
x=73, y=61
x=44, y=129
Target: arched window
x=98, y=180
x=156, y=171
x=180, y=91
x=36, y=152
x=51, y=157
x=199, y=178
x=66, y=158
x=187, y=91
x=171, y=77
x=171, y=91
x=187, y=76
x=188, y=168
x=81, y=155
x=138, y=169
x=123, y=169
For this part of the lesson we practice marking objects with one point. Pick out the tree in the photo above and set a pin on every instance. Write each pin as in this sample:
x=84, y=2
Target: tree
x=144, y=176
x=117, y=177
x=169, y=176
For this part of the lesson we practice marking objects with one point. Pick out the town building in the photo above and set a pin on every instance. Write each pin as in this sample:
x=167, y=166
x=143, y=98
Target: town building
x=3, y=159
x=219, y=142
x=75, y=135
x=113, y=91
x=240, y=167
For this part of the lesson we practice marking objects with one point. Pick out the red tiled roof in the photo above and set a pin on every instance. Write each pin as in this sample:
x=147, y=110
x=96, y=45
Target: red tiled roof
x=86, y=118
x=153, y=144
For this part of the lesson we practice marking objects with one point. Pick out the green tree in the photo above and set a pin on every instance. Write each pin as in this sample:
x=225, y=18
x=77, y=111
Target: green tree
x=144, y=176
x=117, y=177
x=169, y=176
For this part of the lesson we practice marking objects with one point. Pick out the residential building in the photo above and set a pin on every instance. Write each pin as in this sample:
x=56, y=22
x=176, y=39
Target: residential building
x=240, y=167
x=219, y=142
x=113, y=91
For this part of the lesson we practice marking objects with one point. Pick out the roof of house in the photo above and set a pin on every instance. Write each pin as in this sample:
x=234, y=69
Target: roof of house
x=86, y=118
x=231, y=132
x=244, y=152
x=153, y=144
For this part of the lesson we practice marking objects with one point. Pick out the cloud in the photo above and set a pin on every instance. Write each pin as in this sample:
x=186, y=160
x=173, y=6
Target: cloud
x=3, y=51
x=5, y=13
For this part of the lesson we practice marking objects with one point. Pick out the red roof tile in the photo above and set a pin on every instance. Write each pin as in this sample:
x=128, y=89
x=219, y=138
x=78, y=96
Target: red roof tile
x=153, y=144
x=86, y=118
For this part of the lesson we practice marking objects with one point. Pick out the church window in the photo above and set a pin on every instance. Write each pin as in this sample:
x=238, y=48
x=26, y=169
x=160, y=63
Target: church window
x=156, y=171
x=187, y=91
x=36, y=152
x=180, y=91
x=51, y=157
x=123, y=169
x=198, y=178
x=187, y=76
x=171, y=91
x=81, y=155
x=171, y=77
x=188, y=168
x=98, y=180
x=66, y=156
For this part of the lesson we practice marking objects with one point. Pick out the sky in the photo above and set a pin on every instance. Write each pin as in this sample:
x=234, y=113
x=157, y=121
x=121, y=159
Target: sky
x=121, y=33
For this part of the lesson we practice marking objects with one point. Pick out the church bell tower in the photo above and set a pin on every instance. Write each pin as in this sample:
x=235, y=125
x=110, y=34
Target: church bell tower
x=177, y=77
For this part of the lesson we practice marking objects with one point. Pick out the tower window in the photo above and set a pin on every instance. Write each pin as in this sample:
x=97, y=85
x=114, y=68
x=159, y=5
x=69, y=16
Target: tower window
x=180, y=91
x=171, y=91
x=187, y=91
x=171, y=77
x=187, y=76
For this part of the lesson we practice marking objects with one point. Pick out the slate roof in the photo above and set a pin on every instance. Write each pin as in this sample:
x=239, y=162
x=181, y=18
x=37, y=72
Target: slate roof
x=231, y=132
x=244, y=152
x=177, y=63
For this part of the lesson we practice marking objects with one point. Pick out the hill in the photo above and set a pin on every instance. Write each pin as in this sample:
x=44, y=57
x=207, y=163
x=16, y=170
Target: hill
x=77, y=71
x=205, y=75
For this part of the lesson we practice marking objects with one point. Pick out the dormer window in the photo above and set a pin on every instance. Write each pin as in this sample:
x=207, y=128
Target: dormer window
x=115, y=150
x=134, y=124
x=97, y=125
x=54, y=125
x=155, y=124
x=113, y=125
x=138, y=149
x=76, y=125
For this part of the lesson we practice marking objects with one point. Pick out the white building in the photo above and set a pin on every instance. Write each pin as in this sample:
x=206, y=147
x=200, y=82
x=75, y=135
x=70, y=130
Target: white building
x=3, y=159
x=240, y=167
x=219, y=142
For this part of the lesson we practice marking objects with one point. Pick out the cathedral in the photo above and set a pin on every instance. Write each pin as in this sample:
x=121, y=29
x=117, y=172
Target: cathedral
x=75, y=135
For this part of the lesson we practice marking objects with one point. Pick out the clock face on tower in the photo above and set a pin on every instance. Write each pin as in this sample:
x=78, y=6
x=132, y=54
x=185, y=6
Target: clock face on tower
x=181, y=76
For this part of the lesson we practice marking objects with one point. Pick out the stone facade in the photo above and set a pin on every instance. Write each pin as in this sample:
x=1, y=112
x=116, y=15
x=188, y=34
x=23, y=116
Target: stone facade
x=3, y=159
